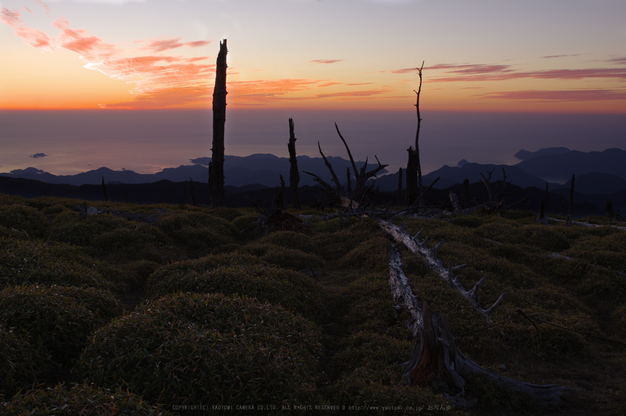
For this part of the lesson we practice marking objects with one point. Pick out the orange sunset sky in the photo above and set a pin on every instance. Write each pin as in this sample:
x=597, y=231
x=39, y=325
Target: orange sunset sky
x=556, y=56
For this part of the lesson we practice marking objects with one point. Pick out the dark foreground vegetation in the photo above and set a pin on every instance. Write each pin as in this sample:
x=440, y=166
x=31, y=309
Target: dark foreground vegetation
x=183, y=309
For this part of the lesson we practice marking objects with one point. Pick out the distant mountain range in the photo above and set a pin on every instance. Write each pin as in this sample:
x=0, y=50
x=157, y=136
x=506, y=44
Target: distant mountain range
x=598, y=176
x=262, y=169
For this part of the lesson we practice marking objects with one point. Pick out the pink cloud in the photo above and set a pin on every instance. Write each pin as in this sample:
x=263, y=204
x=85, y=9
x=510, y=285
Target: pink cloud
x=329, y=84
x=90, y=47
x=33, y=37
x=326, y=61
x=197, y=43
x=157, y=78
x=565, y=95
x=160, y=45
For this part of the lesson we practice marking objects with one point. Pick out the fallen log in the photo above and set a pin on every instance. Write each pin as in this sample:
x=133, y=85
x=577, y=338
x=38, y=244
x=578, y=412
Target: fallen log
x=430, y=256
x=435, y=358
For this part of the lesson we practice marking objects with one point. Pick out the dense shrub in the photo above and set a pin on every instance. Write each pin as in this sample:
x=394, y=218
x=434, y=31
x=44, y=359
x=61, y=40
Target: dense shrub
x=194, y=348
x=294, y=291
x=229, y=214
x=248, y=226
x=372, y=376
x=35, y=262
x=204, y=264
x=13, y=233
x=59, y=317
x=545, y=238
x=199, y=233
x=21, y=217
x=69, y=228
x=285, y=257
x=336, y=243
x=23, y=365
x=287, y=239
x=80, y=400
x=132, y=242
x=371, y=255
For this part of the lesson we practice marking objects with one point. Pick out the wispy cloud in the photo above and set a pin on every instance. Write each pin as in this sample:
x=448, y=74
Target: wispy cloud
x=159, y=45
x=326, y=61
x=560, y=56
x=33, y=37
x=482, y=72
x=564, y=95
x=38, y=155
x=156, y=78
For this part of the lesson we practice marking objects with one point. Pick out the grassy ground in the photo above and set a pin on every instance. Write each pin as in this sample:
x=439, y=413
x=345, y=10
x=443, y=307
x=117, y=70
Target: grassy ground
x=205, y=308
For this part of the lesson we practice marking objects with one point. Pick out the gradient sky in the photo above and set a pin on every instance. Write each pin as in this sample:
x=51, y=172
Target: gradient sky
x=556, y=56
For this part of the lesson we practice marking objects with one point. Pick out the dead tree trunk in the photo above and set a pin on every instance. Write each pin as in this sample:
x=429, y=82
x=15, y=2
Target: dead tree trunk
x=435, y=358
x=104, y=190
x=414, y=168
x=568, y=222
x=543, y=208
x=279, y=196
x=216, y=168
x=411, y=177
x=294, y=175
x=400, y=186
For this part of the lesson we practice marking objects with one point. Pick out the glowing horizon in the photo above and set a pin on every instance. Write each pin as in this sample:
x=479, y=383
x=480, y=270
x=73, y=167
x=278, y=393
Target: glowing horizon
x=100, y=54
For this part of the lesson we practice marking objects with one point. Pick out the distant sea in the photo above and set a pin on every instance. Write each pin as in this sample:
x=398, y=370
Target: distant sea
x=148, y=141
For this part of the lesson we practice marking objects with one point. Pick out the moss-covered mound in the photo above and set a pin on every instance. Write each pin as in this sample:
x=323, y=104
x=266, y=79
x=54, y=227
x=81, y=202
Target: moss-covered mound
x=23, y=365
x=372, y=376
x=24, y=218
x=288, y=258
x=197, y=348
x=293, y=290
x=199, y=233
x=61, y=318
x=80, y=400
x=35, y=262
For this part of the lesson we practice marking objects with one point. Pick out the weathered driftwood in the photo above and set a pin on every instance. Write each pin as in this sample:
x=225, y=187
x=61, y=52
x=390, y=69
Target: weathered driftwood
x=435, y=358
x=216, y=167
x=430, y=256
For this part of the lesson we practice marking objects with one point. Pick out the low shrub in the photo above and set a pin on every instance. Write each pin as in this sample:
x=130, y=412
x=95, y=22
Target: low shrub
x=135, y=241
x=287, y=239
x=61, y=318
x=21, y=217
x=197, y=348
x=545, y=238
x=281, y=256
x=372, y=379
x=371, y=255
x=292, y=290
x=229, y=214
x=13, y=233
x=36, y=262
x=23, y=365
x=80, y=400
x=248, y=226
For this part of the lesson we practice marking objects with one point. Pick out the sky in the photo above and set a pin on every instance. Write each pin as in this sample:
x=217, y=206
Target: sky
x=128, y=84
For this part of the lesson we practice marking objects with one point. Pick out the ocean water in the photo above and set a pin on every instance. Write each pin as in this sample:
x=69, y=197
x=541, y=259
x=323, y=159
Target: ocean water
x=148, y=141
